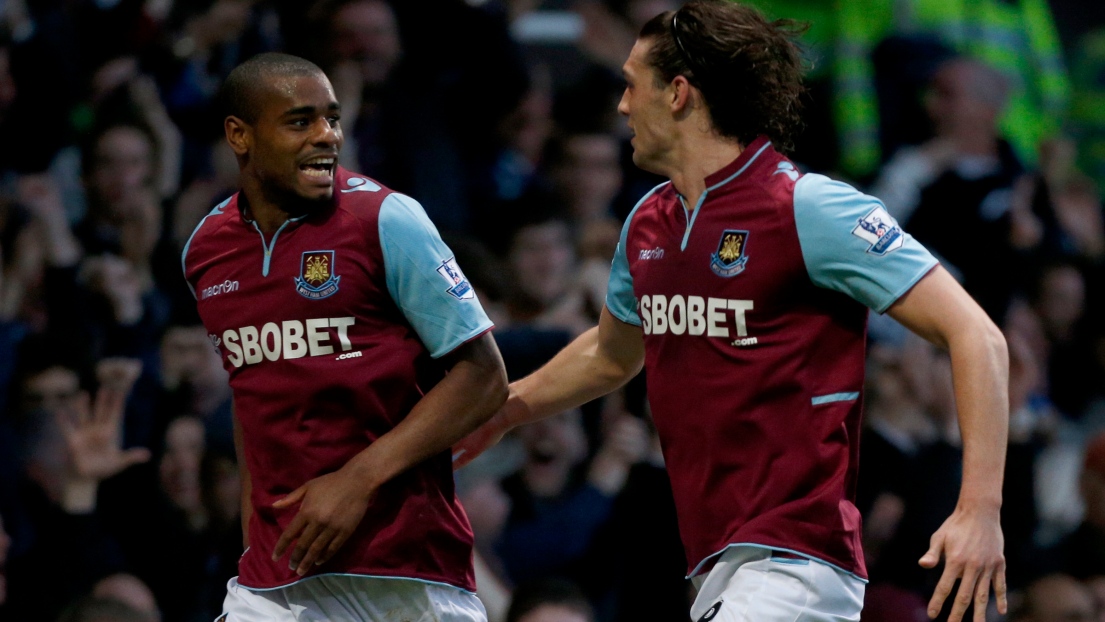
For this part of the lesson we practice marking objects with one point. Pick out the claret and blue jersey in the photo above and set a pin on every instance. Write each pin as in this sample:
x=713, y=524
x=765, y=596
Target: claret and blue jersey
x=753, y=304
x=331, y=330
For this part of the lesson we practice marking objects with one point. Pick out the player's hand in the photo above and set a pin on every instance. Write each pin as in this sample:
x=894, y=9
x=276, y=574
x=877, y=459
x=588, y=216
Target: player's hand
x=330, y=508
x=487, y=434
x=971, y=543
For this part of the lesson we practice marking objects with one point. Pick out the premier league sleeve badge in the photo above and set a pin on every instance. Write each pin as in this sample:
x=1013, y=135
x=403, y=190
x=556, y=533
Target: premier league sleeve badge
x=459, y=287
x=879, y=229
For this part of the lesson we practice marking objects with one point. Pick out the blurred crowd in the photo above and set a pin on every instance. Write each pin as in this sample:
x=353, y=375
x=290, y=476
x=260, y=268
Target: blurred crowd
x=980, y=124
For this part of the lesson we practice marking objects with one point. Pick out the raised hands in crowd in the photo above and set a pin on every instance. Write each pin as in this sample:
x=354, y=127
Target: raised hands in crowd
x=93, y=431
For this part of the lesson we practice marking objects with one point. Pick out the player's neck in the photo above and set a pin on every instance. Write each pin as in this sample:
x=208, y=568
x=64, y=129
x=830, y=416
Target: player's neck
x=269, y=212
x=696, y=158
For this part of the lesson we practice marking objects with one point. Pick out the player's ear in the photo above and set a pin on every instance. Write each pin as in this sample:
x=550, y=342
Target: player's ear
x=681, y=96
x=238, y=134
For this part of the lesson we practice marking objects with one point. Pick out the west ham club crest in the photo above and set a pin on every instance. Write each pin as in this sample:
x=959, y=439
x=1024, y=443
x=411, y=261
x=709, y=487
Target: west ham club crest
x=730, y=258
x=316, y=278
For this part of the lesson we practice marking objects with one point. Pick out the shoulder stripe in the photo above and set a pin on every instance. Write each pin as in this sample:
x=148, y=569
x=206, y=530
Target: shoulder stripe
x=218, y=209
x=645, y=198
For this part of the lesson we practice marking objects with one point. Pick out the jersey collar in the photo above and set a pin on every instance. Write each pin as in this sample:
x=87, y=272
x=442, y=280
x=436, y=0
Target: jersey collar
x=733, y=170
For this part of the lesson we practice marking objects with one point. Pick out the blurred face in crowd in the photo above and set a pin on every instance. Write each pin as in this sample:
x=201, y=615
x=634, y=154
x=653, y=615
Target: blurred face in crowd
x=590, y=174
x=542, y=258
x=885, y=375
x=188, y=356
x=554, y=613
x=527, y=128
x=292, y=148
x=139, y=218
x=223, y=488
x=645, y=104
x=52, y=390
x=1061, y=301
x=487, y=507
x=1060, y=598
x=554, y=446
x=1096, y=585
x=961, y=100
x=180, y=465
x=366, y=32
x=123, y=164
x=129, y=590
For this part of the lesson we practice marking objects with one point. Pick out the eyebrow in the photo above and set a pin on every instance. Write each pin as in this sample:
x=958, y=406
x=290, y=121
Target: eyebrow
x=333, y=107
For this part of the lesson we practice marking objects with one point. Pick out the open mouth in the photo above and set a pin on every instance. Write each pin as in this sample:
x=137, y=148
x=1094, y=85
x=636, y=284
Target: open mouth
x=320, y=168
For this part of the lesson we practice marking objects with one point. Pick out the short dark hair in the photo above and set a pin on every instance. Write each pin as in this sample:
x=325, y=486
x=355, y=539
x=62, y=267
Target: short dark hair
x=749, y=69
x=241, y=92
x=550, y=591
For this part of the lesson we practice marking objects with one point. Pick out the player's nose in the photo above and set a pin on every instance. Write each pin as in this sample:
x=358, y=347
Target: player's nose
x=327, y=134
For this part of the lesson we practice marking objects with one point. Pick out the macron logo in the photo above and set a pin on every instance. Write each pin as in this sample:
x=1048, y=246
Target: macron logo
x=360, y=184
x=225, y=287
x=651, y=253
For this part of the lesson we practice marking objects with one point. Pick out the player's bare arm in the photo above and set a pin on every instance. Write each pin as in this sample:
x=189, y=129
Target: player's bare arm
x=331, y=506
x=243, y=478
x=970, y=540
x=597, y=362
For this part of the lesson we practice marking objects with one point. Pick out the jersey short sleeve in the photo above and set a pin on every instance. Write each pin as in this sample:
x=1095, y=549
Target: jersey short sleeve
x=619, y=289
x=424, y=279
x=852, y=245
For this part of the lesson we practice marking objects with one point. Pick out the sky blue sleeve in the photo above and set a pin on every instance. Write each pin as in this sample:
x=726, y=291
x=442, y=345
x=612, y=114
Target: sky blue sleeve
x=850, y=243
x=619, y=290
x=424, y=279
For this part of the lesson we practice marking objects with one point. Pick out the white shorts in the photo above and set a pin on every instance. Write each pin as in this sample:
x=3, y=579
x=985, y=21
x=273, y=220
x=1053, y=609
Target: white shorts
x=752, y=584
x=351, y=598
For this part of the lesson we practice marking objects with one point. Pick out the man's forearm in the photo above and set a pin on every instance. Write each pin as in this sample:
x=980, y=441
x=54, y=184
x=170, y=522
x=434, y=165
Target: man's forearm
x=980, y=364
x=597, y=362
x=467, y=397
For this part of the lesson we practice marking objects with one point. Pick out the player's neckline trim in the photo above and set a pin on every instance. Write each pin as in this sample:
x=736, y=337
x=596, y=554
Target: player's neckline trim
x=741, y=164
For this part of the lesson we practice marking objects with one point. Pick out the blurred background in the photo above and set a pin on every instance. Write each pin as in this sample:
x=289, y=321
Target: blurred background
x=980, y=124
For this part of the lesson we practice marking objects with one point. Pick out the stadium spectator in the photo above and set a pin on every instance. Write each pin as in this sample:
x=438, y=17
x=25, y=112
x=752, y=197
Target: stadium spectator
x=99, y=609
x=550, y=600
x=560, y=500
x=71, y=447
x=129, y=590
x=1055, y=598
x=1082, y=552
x=960, y=192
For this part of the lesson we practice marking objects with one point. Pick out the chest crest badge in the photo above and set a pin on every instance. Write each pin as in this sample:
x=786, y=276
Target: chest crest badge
x=316, y=278
x=730, y=258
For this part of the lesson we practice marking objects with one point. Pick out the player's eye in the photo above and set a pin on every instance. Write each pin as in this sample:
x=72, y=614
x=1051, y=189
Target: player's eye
x=334, y=120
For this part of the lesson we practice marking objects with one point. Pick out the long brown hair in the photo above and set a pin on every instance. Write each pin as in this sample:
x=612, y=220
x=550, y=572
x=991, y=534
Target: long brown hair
x=748, y=69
